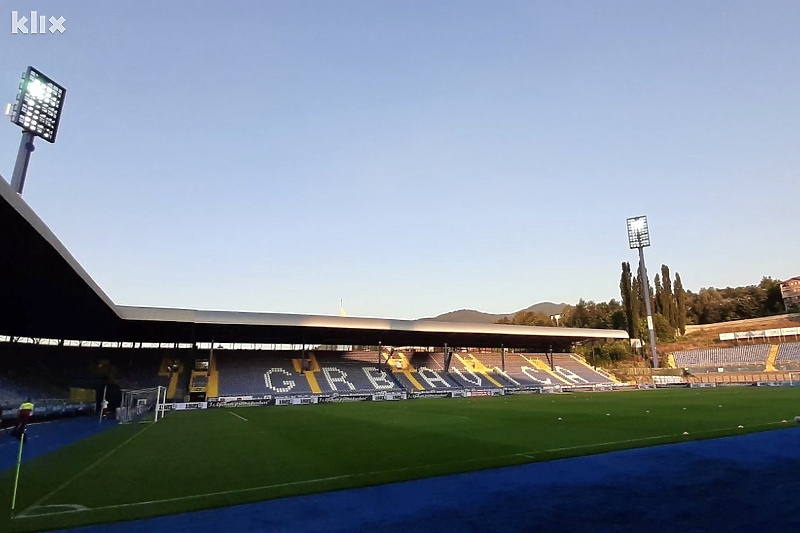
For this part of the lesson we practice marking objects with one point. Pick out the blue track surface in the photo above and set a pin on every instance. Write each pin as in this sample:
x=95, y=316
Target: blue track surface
x=747, y=483
x=45, y=437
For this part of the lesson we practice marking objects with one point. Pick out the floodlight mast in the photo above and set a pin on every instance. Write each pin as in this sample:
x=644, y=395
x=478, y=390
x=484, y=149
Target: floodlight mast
x=23, y=159
x=38, y=112
x=639, y=237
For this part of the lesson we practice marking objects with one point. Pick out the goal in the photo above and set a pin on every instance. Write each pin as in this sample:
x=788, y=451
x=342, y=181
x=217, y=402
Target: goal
x=142, y=404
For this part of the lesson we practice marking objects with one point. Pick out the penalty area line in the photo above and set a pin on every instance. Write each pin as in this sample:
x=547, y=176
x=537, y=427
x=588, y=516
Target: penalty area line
x=240, y=417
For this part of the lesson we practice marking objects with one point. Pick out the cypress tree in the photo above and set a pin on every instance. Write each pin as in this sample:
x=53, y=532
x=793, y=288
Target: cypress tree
x=626, y=292
x=658, y=297
x=670, y=311
x=640, y=282
x=636, y=305
x=680, y=305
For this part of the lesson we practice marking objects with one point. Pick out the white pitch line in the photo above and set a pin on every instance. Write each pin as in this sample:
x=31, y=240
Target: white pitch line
x=76, y=476
x=530, y=455
x=72, y=508
x=238, y=416
x=194, y=496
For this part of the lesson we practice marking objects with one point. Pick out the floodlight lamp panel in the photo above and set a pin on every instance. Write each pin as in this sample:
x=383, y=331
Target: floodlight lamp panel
x=638, y=232
x=37, y=90
x=39, y=104
x=638, y=223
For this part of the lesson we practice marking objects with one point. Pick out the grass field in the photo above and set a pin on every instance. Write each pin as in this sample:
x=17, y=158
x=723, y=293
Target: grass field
x=201, y=459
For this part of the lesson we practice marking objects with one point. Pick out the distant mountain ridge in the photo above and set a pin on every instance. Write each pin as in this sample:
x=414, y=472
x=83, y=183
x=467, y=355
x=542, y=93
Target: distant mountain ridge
x=478, y=317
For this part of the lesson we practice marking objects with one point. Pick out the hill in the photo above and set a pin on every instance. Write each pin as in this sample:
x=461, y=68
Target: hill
x=479, y=317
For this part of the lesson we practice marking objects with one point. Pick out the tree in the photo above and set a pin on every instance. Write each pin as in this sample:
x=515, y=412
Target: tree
x=531, y=318
x=661, y=327
x=712, y=305
x=636, y=304
x=709, y=306
x=625, y=284
x=618, y=319
x=605, y=352
x=603, y=315
x=629, y=303
x=658, y=297
x=639, y=284
x=527, y=318
x=668, y=307
x=680, y=305
x=773, y=301
x=617, y=350
x=577, y=316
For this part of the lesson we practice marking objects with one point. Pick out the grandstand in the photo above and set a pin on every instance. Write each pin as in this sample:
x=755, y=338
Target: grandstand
x=247, y=373
x=470, y=373
x=738, y=356
x=527, y=373
x=742, y=364
x=788, y=356
x=576, y=371
x=14, y=391
x=352, y=373
x=262, y=376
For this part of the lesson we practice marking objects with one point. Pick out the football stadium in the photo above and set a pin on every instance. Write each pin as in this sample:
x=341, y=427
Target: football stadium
x=467, y=122
x=271, y=422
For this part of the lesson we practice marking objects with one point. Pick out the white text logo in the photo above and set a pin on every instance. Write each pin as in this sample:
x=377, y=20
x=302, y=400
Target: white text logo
x=36, y=24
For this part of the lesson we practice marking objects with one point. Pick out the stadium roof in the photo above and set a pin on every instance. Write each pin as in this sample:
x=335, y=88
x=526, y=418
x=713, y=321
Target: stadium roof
x=47, y=294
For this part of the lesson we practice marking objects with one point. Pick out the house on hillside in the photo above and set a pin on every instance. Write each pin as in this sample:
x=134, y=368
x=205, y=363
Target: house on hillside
x=790, y=292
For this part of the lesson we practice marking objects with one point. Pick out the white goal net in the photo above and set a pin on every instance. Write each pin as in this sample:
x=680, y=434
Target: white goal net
x=142, y=405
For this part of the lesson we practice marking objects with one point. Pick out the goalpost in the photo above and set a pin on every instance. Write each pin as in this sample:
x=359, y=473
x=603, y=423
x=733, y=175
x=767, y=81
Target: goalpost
x=140, y=403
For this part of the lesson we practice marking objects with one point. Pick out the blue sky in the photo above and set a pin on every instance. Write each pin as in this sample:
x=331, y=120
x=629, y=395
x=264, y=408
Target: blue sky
x=412, y=157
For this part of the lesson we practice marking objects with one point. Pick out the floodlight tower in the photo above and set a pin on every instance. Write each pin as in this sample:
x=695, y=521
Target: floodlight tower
x=37, y=111
x=639, y=237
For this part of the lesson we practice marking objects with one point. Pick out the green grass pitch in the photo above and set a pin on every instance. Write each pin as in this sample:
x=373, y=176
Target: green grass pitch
x=202, y=459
